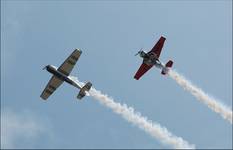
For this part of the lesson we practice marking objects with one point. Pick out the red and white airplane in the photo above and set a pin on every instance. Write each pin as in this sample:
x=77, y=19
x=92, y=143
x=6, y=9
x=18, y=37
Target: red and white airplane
x=151, y=59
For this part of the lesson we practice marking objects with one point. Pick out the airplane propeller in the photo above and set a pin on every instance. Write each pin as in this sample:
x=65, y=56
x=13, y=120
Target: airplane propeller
x=138, y=52
x=44, y=67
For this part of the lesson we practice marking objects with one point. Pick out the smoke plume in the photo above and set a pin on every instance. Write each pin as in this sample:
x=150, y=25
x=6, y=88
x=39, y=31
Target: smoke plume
x=128, y=113
x=152, y=128
x=211, y=102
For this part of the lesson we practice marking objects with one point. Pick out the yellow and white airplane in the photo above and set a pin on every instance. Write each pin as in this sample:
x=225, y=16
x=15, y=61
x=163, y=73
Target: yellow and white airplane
x=61, y=74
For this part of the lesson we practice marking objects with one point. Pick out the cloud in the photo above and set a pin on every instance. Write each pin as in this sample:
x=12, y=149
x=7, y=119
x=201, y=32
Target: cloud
x=22, y=129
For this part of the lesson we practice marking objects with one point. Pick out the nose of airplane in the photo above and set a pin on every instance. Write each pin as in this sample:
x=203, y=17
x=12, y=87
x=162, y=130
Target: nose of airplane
x=45, y=67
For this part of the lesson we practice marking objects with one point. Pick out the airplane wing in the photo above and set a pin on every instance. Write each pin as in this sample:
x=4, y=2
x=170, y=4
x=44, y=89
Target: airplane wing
x=53, y=84
x=69, y=63
x=142, y=70
x=158, y=46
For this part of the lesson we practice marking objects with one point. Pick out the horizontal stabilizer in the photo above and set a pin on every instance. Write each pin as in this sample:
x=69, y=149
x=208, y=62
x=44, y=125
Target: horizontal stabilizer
x=169, y=63
x=163, y=72
x=167, y=66
x=83, y=90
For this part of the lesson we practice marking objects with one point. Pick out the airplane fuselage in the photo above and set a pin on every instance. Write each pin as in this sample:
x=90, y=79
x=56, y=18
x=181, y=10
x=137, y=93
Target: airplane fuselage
x=53, y=70
x=151, y=59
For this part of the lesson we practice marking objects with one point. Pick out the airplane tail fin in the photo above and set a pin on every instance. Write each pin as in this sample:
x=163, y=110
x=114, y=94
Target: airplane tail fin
x=167, y=66
x=83, y=90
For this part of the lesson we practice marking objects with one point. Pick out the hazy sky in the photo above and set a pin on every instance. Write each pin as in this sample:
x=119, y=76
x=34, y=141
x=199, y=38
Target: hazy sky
x=36, y=33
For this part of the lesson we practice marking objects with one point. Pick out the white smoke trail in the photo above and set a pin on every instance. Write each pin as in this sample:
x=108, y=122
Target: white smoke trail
x=154, y=129
x=128, y=113
x=211, y=102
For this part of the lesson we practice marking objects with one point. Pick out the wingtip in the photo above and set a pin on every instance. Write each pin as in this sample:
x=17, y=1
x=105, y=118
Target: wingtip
x=136, y=78
x=77, y=49
x=162, y=37
x=44, y=99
